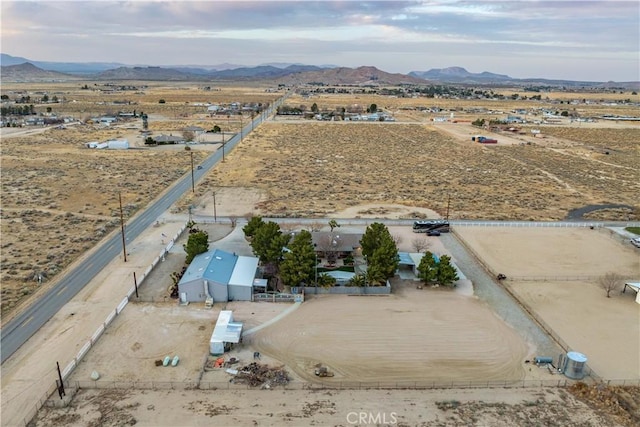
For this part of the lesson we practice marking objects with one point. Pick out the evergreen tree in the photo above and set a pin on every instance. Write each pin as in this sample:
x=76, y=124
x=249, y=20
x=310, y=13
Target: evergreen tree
x=427, y=268
x=268, y=243
x=298, y=263
x=198, y=243
x=252, y=226
x=373, y=237
x=446, y=274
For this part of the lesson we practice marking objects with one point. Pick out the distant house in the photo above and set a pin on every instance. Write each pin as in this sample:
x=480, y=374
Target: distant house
x=168, y=139
x=219, y=276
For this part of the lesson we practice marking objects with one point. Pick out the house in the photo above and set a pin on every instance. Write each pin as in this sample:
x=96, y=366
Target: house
x=218, y=276
x=335, y=245
x=168, y=139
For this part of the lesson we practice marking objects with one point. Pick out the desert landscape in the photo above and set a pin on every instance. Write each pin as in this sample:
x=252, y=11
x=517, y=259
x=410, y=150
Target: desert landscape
x=59, y=199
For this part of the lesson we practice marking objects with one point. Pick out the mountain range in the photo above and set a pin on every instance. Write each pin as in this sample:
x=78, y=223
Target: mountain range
x=22, y=69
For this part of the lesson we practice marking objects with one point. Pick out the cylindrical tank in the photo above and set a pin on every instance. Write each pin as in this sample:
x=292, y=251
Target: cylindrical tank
x=574, y=365
x=542, y=360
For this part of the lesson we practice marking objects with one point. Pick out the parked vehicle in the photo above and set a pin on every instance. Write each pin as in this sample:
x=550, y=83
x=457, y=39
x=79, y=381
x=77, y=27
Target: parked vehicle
x=425, y=226
x=485, y=140
x=635, y=242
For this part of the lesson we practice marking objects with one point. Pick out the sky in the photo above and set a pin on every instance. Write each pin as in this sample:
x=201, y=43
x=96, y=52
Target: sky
x=562, y=39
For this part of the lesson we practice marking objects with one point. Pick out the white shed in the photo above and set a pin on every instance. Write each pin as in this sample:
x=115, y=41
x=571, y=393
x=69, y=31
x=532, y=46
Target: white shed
x=118, y=144
x=225, y=331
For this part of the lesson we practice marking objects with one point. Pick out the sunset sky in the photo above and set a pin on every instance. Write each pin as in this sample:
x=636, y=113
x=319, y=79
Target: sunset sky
x=574, y=40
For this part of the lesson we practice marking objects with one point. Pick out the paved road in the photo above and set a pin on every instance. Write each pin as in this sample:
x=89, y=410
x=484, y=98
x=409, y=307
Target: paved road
x=18, y=330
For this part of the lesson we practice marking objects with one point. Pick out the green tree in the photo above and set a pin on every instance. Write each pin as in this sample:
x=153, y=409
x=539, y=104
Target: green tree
x=385, y=259
x=373, y=237
x=314, y=108
x=45, y=98
x=427, y=268
x=357, y=280
x=333, y=224
x=252, y=226
x=198, y=243
x=268, y=243
x=446, y=274
x=372, y=108
x=216, y=129
x=298, y=263
x=565, y=113
x=478, y=122
x=162, y=101
x=326, y=281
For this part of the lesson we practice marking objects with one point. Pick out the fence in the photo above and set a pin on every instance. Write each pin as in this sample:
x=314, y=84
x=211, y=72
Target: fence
x=276, y=297
x=99, y=332
x=338, y=385
x=541, y=323
x=349, y=290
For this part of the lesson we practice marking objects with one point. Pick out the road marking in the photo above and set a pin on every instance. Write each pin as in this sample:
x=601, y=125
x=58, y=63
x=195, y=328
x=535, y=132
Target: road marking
x=27, y=321
x=61, y=290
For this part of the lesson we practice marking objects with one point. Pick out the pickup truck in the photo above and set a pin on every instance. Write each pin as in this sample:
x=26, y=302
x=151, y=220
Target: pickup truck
x=484, y=140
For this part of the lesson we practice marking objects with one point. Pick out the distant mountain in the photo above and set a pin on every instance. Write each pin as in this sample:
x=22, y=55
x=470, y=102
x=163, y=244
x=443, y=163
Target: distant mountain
x=282, y=72
x=459, y=75
x=61, y=67
x=355, y=76
x=145, y=73
x=27, y=72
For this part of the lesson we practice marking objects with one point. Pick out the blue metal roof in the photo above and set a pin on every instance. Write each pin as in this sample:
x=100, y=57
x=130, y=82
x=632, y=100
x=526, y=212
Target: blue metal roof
x=405, y=259
x=216, y=266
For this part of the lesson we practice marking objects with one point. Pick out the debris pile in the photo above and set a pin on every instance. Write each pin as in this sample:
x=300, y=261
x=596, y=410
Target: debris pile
x=255, y=374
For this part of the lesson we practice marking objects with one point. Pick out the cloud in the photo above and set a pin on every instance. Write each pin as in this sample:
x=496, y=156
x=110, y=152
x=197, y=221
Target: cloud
x=318, y=32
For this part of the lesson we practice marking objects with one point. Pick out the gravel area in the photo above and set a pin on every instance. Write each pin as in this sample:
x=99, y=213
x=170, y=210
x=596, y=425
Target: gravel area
x=501, y=302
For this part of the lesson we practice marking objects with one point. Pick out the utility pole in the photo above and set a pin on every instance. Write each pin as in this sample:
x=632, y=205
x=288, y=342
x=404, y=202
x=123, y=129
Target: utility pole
x=61, y=386
x=223, y=146
x=215, y=216
x=448, y=204
x=135, y=283
x=124, y=244
x=193, y=182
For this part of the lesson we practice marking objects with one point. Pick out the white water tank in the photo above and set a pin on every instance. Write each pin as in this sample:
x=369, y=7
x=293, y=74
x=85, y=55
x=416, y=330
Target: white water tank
x=574, y=365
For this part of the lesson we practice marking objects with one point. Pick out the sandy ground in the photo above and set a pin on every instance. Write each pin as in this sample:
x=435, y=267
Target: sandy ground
x=551, y=251
x=419, y=335
x=606, y=330
x=428, y=408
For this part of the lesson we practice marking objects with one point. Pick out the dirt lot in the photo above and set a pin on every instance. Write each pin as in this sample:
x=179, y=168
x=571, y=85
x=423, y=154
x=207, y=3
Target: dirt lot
x=415, y=335
x=422, y=166
x=427, y=408
x=606, y=330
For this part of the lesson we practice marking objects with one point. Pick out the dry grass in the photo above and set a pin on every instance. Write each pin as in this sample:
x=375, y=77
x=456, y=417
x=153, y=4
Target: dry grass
x=318, y=168
x=59, y=199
